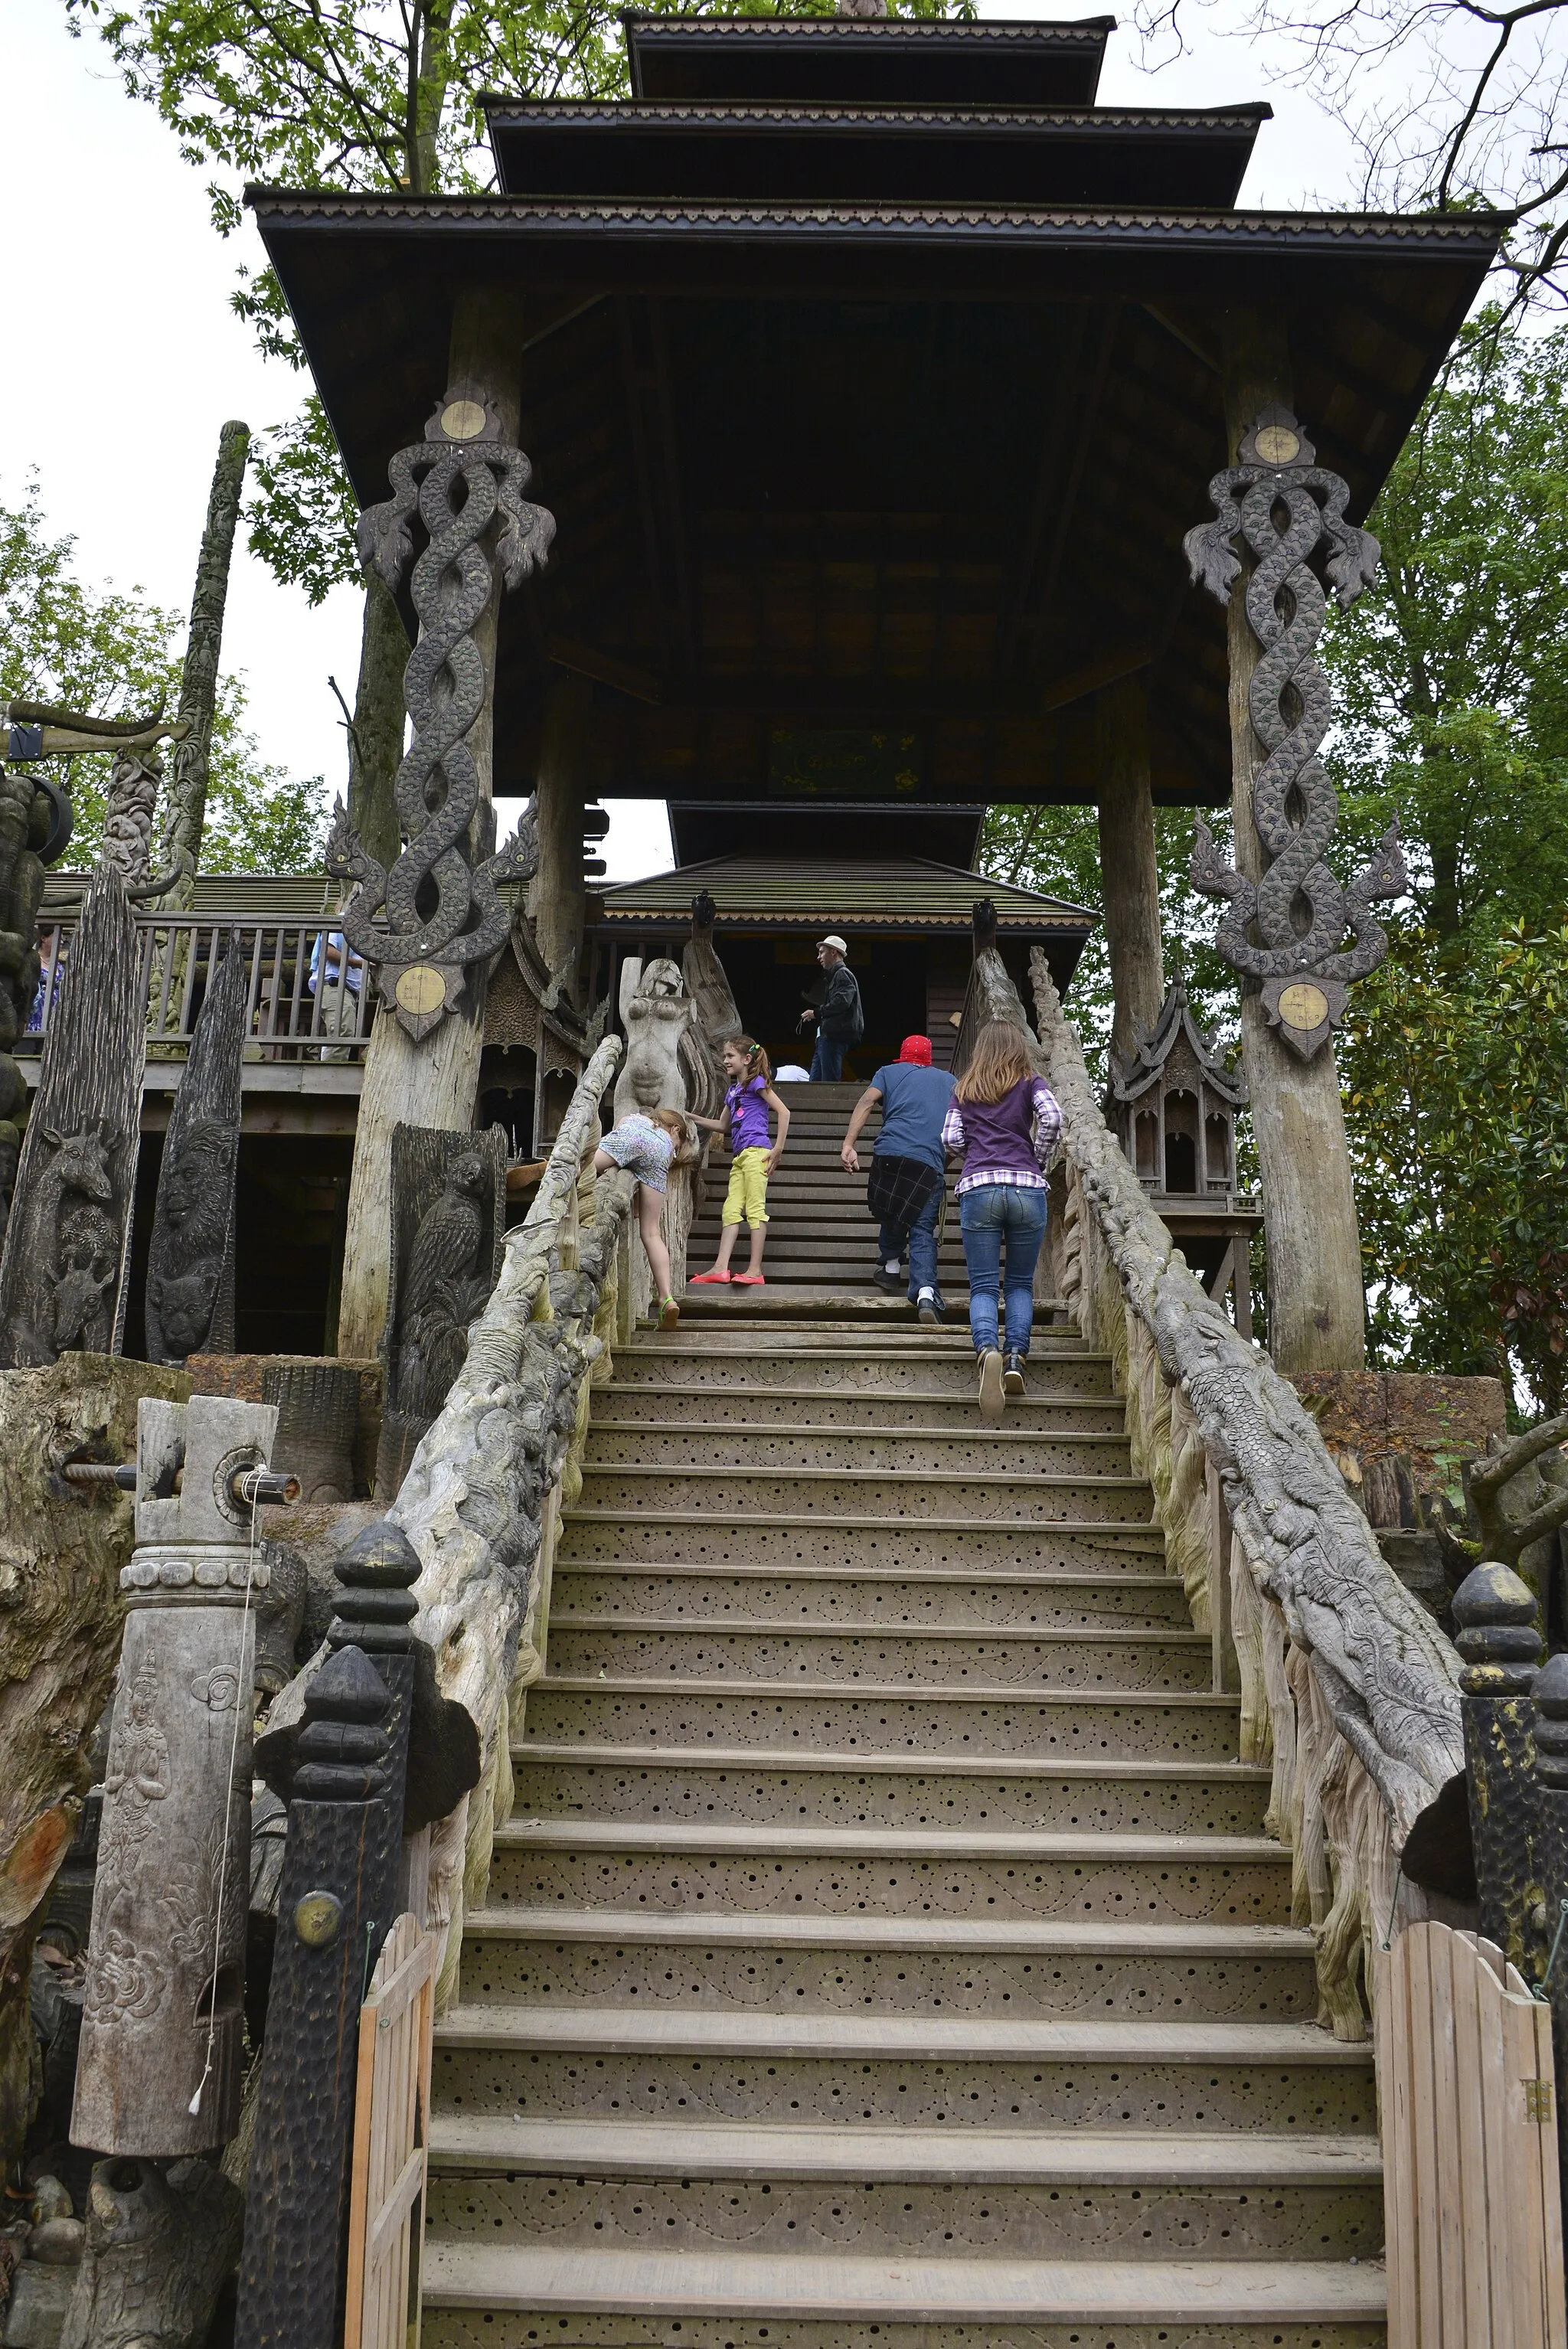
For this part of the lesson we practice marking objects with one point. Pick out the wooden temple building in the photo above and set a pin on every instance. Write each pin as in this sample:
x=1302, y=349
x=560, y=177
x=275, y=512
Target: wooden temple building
x=936, y=1890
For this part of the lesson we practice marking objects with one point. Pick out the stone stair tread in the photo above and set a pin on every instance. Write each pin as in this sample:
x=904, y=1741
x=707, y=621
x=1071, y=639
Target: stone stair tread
x=722, y=2149
x=733, y=1691
x=753, y=1839
x=977, y=1936
x=1033, y=1529
x=648, y=1389
x=895, y=2290
x=748, y=1627
x=763, y=1759
x=892, y=2038
x=987, y=1479
x=988, y=1578
x=809, y=1432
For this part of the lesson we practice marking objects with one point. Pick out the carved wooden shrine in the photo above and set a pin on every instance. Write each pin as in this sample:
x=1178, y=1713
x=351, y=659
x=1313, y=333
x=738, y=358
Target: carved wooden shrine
x=190, y=1261
x=448, y=1221
x=62, y=1272
x=1284, y=507
x=1174, y=1106
x=162, y=2023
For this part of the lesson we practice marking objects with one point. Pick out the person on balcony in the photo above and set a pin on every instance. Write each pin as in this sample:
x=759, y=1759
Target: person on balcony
x=906, y=1188
x=838, y=1017
x=337, y=990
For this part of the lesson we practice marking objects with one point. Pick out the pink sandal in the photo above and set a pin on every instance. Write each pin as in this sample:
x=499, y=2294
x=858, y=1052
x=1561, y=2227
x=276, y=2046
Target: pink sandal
x=697, y=1279
x=750, y=1280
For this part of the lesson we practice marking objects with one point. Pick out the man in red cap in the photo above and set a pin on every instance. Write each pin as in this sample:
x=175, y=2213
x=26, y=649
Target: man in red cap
x=905, y=1190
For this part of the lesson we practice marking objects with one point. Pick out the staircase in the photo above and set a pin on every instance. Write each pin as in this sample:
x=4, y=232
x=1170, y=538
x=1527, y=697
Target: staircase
x=820, y=1238
x=885, y=1951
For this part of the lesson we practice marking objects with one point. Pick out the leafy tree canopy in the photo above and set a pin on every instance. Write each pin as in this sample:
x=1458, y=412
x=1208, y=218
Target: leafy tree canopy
x=111, y=654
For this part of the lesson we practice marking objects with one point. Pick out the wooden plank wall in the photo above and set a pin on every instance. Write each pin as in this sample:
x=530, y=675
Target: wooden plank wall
x=391, y=2113
x=1473, y=2218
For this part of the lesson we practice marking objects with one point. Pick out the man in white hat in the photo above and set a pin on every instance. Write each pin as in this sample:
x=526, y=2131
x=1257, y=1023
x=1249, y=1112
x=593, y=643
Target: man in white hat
x=839, y=1019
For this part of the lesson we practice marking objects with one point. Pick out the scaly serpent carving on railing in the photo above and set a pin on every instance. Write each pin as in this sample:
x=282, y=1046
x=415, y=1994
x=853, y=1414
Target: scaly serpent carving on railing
x=1294, y=806
x=1346, y=1684
x=441, y=913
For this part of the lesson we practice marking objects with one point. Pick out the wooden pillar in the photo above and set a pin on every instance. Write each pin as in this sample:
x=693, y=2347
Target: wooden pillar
x=1316, y=1305
x=434, y=1081
x=1128, y=871
x=556, y=893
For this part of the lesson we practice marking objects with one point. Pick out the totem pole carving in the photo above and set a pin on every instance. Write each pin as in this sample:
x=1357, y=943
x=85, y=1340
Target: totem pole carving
x=190, y=1260
x=667, y=1061
x=135, y=779
x=441, y=911
x=448, y=1225
x=1286, y=507
x=158, y=2074
x=61, y=1275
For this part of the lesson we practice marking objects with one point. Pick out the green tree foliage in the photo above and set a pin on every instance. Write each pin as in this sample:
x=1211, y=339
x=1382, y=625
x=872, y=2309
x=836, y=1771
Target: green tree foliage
x=111, y=654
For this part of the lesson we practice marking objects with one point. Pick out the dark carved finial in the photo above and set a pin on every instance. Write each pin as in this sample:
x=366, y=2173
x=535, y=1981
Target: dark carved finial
x=342, y=1741
x=1286, y=509
x=983, y=917
x=377, y=1571
x=704, y=914
x=1551, y=1695
x=1498, y=1639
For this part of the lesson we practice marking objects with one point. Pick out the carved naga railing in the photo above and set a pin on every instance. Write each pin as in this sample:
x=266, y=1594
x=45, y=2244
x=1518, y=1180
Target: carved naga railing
x=1346, y=1686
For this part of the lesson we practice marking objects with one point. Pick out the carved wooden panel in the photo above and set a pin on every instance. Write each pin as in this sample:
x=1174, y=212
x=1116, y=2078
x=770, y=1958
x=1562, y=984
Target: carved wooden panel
x=449, y=1226
x=191, y=1262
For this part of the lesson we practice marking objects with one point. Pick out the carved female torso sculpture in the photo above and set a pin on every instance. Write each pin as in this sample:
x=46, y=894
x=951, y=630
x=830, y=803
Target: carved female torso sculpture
x=657, y=1012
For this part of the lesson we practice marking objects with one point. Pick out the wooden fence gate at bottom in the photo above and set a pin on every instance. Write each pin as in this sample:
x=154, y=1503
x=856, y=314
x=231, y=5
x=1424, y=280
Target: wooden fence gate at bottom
x=1474, y=2221
x=391, y=2133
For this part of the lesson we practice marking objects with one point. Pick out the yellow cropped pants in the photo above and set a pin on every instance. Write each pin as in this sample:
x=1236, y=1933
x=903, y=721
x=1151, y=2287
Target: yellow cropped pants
x=748, y=1194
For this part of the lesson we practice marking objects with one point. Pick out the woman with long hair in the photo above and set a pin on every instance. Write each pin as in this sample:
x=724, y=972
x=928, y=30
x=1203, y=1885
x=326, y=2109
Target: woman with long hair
x=1004, y=1121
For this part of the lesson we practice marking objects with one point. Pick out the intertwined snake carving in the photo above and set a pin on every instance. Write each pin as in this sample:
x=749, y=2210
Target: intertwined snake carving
x=439, y=910
x=1299, y=908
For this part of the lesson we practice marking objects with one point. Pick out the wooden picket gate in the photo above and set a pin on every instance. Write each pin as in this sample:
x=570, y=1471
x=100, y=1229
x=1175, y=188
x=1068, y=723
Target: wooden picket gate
x=1474, y=2226
x=391, y=2133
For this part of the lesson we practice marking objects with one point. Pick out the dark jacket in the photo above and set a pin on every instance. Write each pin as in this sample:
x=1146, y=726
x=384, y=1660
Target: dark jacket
x=839, y=1015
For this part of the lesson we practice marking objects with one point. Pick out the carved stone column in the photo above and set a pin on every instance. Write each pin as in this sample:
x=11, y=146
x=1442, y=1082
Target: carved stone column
x=1501, y=1646
x=1129, y=870
x=162, y=2018
x=1551, y=1729
x=431, y=958
x=1317, y=1306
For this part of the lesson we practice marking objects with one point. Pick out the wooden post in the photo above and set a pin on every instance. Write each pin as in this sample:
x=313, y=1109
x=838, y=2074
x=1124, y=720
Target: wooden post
x=199, y=684
x=556, y=893
x=1317, y=1306
x=1128, y=871
x=432, y=1082
x=1501, y=1646
x=190, y=1304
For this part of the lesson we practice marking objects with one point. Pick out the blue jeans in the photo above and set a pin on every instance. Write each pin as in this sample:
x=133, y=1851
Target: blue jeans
x=920, y=1239
x=828, y=1059
x=988, y=1213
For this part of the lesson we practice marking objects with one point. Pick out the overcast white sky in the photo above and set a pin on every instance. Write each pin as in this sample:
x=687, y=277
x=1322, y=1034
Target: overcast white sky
x=123, y=358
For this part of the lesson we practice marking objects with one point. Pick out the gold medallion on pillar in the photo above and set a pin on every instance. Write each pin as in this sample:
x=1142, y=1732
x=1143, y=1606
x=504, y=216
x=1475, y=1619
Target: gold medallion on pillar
x=422, y=994
x=1303, y=1009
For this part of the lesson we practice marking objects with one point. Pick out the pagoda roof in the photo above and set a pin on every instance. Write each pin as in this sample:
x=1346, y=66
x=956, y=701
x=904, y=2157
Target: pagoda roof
x=1132, y=1076
x=887, y=60
x=892, y=894
x=1141, y=156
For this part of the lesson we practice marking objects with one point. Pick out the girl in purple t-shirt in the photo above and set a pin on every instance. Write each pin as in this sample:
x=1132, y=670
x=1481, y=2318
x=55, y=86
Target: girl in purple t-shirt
x=744, y=1118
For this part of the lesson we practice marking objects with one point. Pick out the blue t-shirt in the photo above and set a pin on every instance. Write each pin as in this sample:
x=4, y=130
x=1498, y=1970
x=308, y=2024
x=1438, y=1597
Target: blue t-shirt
x=915, y=1102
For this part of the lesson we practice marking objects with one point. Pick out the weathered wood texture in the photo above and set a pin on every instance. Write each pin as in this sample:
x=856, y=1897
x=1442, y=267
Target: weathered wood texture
x=1346, y=1681
x=191, y=1256
x=295, y=2263
x=667, y=1063
x=1316, y=1308
x=187, y=814
x=391, y=2133
x=21, y=892
x=556, y=894
x=1471, y=2204
x=130, y=803
x=317, y=1406
x=158, y=2071
x=376, y=736
x=448, y=1210
x=1129, y=868
x=159, y=2244
x=62, y=1547
x=65, y=1252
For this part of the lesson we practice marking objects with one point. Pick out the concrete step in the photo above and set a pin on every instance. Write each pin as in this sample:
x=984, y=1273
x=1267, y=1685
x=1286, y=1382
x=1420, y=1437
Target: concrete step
x=908, y=1496
x=777, y=1538
x=1057, y=1723
x=919, y=2303
x=897, y=1790
x=747, y=1403
x=793, y=1962
x=585, y=1862
x=677, y=2183
x=826, y=1594
x=818, y=1298
x=703, y=1354
x=1012, y=1449
x=1159, y=1662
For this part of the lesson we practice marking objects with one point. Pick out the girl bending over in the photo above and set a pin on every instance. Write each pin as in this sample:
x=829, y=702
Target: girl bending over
x=648, y=1147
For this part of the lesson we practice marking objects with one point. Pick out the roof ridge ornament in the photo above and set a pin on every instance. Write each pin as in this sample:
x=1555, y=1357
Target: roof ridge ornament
x=441, y=912
x=1286, y=508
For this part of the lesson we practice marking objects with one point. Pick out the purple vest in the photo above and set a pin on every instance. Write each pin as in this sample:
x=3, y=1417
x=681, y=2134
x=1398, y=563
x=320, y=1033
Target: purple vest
x=996, y=1133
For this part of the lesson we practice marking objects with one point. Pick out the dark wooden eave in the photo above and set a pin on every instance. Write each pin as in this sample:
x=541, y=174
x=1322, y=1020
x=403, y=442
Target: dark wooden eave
x=845, y=60
x=855, y=465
